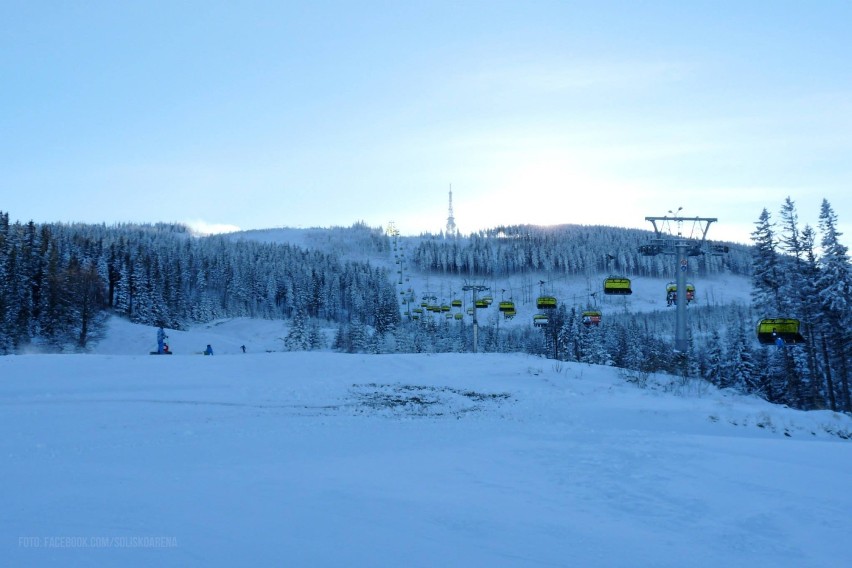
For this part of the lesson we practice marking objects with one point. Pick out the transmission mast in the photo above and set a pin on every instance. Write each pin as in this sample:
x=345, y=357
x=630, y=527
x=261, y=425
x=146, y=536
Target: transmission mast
x=682, y=246
x=451, y=221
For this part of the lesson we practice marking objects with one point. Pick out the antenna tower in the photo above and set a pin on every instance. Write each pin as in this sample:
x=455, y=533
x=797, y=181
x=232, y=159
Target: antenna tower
x=451, y=221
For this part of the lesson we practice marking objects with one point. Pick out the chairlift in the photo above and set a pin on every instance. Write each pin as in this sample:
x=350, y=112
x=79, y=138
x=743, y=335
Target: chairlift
x=617, y=286
x=769, y=330
x=540, y=320
x=591, y=317
x=545, y=303
x=671, y=293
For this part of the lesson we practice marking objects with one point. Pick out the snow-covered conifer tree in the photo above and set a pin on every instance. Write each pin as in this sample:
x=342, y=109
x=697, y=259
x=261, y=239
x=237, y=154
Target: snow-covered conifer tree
x=766, y=277
x=715, y=371
x=298, y=338
x=834, y=289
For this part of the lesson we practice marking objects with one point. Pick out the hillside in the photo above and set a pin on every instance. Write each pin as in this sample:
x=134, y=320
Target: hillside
x=359, y=290
x=719, y=288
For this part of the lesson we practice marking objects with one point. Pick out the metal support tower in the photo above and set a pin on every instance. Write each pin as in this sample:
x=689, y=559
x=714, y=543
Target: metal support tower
x=475, y=288
x=451, y=221
x=681, y=246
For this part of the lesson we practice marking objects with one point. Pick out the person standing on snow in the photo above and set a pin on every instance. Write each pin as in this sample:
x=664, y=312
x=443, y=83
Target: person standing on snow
x=161, y=340
x=209, y=350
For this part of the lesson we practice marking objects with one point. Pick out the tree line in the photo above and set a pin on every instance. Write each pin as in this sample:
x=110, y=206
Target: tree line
x=60, y=281
x=565, y=249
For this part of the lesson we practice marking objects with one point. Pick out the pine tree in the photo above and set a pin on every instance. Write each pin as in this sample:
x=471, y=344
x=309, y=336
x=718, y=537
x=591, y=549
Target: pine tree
x=341, y=339
x=87, y=299
x=813, y=383
x=742, y=371
x=766, y=286
x=360, y=337
x=715, y=369
x=834, y=289
x=298, y=338
x=790, y=241
x=387, y=312
x=316, y=339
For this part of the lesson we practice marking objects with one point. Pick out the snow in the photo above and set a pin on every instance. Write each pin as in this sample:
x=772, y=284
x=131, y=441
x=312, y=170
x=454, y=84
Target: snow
x=325, y=459
x=649, y=294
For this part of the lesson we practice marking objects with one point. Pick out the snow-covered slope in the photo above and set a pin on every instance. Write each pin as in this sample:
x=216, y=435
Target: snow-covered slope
x=326, y=459
x=580, y=292
x=226, y=336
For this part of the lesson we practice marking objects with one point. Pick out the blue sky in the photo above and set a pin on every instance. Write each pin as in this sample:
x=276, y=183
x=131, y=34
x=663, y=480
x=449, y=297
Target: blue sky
x=270, y=114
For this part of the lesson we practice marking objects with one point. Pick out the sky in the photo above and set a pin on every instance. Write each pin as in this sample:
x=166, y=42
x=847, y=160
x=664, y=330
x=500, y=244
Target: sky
x=270, y=458
x=257, y=115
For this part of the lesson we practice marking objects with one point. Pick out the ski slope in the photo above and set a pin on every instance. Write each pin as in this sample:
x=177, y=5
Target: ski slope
x=579, y=292
x=326, y=459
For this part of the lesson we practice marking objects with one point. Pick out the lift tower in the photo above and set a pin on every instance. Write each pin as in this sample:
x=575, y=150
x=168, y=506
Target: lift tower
x=682, y=246
x=475, y=288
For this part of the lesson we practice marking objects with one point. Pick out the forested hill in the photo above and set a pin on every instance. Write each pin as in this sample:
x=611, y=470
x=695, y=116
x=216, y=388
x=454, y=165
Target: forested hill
x=564, y=249
x=59, y=281
x=569, y=250
x=358, y=242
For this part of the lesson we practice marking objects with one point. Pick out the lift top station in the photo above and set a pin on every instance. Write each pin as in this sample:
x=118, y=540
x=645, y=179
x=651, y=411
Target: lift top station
x=670, y=238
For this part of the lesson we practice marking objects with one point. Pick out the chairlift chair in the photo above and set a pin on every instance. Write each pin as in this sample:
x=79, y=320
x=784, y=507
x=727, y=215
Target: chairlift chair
x=591, y=317
x=770, y=329
x=617, y=286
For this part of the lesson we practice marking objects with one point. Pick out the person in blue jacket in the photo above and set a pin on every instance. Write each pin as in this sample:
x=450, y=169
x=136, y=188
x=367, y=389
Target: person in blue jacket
x=161, y=340
x=209, y=350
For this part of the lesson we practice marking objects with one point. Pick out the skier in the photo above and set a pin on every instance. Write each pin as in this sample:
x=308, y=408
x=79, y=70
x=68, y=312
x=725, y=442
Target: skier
x=779, y=342
x=243, y=347
x=209, y=350
x=161, y=340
